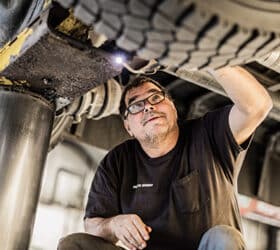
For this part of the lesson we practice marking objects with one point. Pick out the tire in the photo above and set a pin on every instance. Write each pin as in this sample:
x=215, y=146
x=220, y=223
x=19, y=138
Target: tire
x=186, y=34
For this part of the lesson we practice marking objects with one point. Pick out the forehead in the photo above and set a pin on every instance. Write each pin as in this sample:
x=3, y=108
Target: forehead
x=140, y=92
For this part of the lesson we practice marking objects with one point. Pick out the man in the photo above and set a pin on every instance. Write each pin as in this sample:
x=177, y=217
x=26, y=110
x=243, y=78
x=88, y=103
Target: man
x=173, y=186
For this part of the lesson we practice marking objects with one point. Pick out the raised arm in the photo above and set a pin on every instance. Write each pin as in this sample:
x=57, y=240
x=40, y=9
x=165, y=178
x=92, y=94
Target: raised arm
x=251, y=101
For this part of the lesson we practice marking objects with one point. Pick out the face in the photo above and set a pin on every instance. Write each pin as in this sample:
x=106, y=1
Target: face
x=155, y=120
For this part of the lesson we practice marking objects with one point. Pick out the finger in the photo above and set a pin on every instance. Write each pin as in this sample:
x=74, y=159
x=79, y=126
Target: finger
x=141, y=227
x=130, y=237
x=124, y=235
x=149, y=229
x=136, y=236
x=127, y=243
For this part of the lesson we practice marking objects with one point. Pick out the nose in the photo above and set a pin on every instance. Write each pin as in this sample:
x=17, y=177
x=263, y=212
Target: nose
x=148, y=107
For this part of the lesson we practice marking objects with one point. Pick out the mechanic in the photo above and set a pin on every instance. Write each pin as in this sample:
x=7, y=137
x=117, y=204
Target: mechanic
x=174, y=185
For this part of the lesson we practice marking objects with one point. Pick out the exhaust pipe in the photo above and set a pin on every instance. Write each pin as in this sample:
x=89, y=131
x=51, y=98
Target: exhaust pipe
x=25, y=127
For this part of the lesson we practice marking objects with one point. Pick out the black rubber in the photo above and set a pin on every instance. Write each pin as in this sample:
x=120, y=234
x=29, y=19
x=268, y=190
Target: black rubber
x=179, y=33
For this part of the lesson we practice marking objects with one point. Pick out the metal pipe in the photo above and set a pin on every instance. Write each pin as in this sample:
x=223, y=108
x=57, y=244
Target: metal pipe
x=25, y=127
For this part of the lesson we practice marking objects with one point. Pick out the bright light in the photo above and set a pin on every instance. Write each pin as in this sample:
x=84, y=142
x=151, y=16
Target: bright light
x=119, y=59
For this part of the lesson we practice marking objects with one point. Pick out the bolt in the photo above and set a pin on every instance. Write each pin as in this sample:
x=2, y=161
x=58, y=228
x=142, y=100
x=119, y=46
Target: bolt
x=45, y=81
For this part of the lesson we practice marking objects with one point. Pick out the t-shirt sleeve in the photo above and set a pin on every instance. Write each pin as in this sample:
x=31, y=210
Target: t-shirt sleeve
x=223, y=144
x=103, y=195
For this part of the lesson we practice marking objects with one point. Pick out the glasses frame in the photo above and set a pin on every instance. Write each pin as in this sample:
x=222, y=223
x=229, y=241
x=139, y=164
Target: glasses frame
x=127, y=111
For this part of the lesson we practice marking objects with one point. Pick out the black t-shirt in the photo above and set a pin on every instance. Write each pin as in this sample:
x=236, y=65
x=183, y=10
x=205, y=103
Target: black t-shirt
x=181, y=194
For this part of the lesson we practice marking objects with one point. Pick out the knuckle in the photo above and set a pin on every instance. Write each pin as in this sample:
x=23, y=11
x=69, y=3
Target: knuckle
x=132, y=216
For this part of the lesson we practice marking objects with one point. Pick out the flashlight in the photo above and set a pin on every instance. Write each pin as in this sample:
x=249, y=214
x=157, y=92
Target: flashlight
x=119, y=59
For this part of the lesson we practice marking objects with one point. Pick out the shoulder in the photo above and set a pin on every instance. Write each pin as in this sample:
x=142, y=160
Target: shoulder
x=123, y=149
x=222, y=112
x=116, y=159
x=212, y=122
x=213, y=115
x=217, y=118
x=191, y=125
x=127, y=145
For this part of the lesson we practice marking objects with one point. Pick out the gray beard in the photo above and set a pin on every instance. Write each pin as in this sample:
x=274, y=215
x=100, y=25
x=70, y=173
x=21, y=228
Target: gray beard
x=153, y=140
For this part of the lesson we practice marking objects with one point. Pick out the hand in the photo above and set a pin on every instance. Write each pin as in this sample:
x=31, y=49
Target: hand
x=130, y=230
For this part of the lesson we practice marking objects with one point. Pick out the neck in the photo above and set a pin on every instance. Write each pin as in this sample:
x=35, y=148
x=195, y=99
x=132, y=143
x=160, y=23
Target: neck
x=161, y=144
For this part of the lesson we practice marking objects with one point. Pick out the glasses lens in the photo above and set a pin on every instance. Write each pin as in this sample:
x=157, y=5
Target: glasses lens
x=136, y=107
x=156, y=98
x=140, y=105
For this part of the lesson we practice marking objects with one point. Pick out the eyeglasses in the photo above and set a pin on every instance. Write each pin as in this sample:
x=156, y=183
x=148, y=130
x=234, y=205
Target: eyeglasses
x=139, y=106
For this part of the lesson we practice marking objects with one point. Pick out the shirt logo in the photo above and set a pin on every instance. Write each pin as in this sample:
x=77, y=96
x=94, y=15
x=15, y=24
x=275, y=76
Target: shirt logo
x=142, y=185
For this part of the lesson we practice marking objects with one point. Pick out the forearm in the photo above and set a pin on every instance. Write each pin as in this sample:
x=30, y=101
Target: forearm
x=243, y=89
x=100, y=227
x=127, y=229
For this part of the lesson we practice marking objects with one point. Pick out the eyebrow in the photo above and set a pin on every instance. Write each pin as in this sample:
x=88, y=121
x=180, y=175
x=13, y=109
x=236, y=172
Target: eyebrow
x=133, y=98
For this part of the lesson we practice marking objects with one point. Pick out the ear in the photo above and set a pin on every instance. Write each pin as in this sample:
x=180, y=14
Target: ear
x=125, y=123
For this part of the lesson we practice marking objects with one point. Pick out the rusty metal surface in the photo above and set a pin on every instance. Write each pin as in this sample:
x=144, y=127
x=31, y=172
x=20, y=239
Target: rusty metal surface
x=56, y=65
x=52, y=64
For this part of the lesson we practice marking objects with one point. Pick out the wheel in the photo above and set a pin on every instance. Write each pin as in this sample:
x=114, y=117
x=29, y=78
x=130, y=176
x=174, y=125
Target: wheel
x=184, y=33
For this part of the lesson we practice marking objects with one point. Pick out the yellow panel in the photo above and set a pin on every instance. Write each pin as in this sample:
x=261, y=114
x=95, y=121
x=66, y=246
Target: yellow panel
x=6, y=81
x=47, y=3
x=13, y=49
x=72, y=26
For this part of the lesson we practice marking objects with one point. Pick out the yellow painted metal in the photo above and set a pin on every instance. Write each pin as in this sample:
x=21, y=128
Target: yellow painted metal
x=5, y=81
x=72, y=26
x=13, y=49
x=8, y=82
x=47, y=3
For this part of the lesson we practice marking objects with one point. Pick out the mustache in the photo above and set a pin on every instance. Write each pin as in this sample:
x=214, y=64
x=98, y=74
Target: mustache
x=151, y=114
